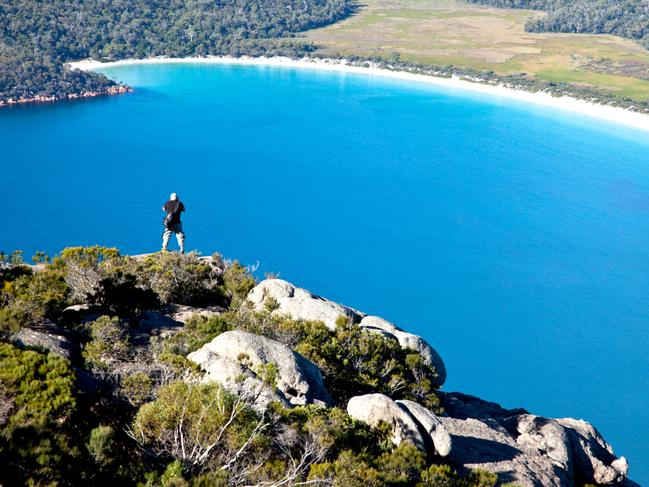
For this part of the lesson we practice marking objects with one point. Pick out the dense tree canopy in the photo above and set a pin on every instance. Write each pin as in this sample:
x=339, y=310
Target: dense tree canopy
x=37, y=37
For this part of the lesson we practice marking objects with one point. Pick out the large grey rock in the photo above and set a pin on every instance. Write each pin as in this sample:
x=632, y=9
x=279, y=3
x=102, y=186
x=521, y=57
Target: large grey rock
x=238, y=380
x=527, y=449
x=373, y=408
x=408, y=340
x=593, y=457
x=478, y=446
x=544, y=436
x=299, y=303
x=431, y=425
x=49, y=338
x=299, y=380
x=182, y=313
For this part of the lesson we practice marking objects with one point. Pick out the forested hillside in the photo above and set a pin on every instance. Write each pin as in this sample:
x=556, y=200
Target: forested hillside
x=626, y=18
x=36, y=38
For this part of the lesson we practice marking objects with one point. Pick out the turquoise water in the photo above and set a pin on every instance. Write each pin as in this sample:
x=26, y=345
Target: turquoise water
x=513, y=237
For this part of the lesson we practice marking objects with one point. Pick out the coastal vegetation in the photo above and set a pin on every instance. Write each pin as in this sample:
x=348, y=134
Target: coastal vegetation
x=126, y=405
x=181, y=370
x=626, y=18
x=37, y=38
x=555, y=46
x=486, y=43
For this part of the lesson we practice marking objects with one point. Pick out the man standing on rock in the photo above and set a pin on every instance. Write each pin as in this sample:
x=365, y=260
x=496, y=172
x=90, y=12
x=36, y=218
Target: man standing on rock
x=173, y=208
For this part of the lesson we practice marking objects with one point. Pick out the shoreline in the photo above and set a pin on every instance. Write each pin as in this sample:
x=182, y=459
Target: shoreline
x=613, y=114
x=118, y=89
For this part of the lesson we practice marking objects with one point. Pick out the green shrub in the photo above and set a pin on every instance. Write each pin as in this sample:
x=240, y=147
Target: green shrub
x=237, y=282
x=179, y=278
x=109, y=343
x=198, y=331
x=137, y=388
x=200, y=425
x=39, y=295
x=11, y=320
x=14, y=258
x=85, y=267
x=481, y=478
x=445, y=476
x=102, y=445
x=41, y=386
x=101, y=276
x=35, y=446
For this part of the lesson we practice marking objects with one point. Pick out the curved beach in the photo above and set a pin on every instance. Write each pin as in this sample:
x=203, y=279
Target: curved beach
x=612, y=114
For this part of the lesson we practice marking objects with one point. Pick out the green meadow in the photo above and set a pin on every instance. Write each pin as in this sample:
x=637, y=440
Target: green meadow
x=450, y=32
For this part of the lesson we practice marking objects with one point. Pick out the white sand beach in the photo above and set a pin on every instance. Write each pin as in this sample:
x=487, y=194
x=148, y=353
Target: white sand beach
x=609, y=113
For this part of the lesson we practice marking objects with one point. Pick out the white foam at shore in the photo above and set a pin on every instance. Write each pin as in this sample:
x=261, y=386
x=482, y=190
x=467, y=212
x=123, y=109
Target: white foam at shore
x=609, y=113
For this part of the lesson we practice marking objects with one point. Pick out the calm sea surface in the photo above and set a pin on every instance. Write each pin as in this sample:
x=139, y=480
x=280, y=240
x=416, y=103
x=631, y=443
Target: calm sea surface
x=514, y=238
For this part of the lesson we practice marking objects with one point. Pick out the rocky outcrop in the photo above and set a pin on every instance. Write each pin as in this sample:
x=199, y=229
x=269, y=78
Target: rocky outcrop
x=436, y=436
x=374, y=408
x=239, y=380
x=593, y=458
x=408, y=340
x=182, y=313
x=526, y=449
x=542, y=435
x=478, y=446
x=301, y=304
x=237, y=352
x=50, y=338
x=117, y=89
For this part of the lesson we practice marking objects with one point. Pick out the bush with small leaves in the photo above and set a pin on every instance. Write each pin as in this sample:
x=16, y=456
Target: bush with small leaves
x=198, y=331
x=201, y=425
x=36, y=447
x=108, y=344
x=102, y=445
x=180, y=278
x=11, y=320
x=39, y=295
x=85, y=267
x=137, y=388
x=237, y=282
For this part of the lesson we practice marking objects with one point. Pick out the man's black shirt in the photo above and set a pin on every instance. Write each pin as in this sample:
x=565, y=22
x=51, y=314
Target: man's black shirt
x=170, y=206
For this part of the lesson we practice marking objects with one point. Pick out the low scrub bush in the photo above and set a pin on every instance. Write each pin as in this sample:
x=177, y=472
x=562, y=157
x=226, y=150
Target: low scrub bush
x=201, y=425
x=39, y=295
x=179, y=278
x=108, y=343
x=198, y=331
x=34, y=437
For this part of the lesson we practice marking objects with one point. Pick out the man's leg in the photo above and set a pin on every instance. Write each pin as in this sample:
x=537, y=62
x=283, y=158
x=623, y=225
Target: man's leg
x=180, y=236
x=165, y=239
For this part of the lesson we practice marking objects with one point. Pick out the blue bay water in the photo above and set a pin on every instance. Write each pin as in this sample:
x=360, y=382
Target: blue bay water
x=513, y=237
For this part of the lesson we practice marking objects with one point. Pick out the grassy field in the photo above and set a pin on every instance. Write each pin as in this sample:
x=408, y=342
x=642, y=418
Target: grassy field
x=443, y=32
